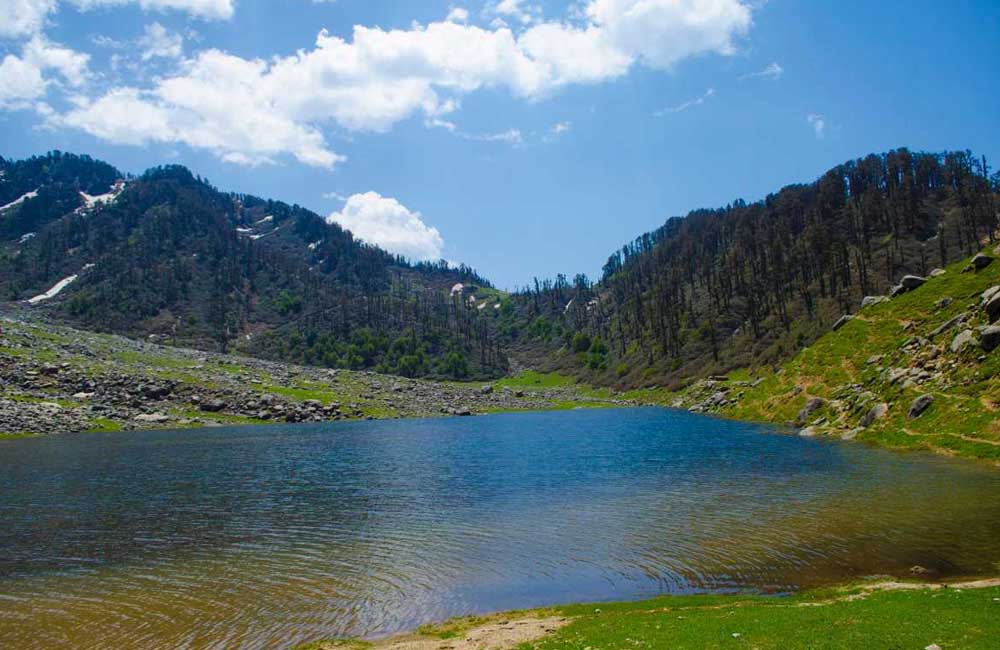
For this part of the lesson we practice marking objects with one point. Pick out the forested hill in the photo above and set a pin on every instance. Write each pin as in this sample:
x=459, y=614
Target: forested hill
x=751, y=283
x=167, y=255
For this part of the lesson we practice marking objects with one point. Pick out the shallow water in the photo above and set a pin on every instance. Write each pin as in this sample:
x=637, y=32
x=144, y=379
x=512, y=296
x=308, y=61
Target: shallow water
x=264, y=536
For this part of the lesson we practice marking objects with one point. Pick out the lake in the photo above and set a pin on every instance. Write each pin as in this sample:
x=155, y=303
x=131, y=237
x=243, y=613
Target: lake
x=265, y=536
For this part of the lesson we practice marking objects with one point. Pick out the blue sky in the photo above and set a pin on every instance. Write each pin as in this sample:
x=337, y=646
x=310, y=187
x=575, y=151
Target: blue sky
x=524, y=138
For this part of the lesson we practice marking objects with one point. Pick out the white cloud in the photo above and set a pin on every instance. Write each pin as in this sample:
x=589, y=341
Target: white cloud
x=388, y=223
x=263, y=108
x=772, y=72
x=518, y=10
x=458, y=15
x=22, y=79
x=818, y=123
x=24, y=17
x=561, y=127
x=158, y=41
x=691, y=103
x=27, y=17
x=510, y=136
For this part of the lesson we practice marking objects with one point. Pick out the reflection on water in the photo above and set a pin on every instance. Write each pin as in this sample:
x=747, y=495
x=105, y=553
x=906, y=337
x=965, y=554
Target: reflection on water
x=256, y=537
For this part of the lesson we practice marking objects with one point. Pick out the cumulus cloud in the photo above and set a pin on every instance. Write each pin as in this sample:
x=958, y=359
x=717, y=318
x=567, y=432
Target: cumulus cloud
x=263, y=108
x=158, y=41
x=458, y=15
x=386, y=222
x=22, y=80
x=24, y=17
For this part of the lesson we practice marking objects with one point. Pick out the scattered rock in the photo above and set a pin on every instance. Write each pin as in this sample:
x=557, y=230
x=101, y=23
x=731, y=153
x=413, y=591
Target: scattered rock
x=851, y=435
x=213, y=406
x=152, y=418
x=811, y=407
x=950, y=323
x=919, y=405
x=486, y=390
x=809, y=432
x=937, y=272
x=876, y=412
x=943, y=302
x=962, y=339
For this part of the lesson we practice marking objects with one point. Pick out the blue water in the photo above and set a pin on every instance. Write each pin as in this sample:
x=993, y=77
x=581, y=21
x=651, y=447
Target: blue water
x=265, y=536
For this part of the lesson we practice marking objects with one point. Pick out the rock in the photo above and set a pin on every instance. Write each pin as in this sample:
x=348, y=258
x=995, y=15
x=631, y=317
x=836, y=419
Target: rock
x=992, y=307
x=950, y=323
x=809, y=432
x=851, y=435
x=82, y=395
x=841, y=321
x=937, y=272
x=876, y=412
x=919, y=405
x=911, y=282
x=989, y=337
x=874, y=359
x=213, y=406
x=962, y=339
x=152, y=418
x=989, y=293
x=933, y=646
x=811, y=407
x=897, y=290
x=486, y=390
x=943, y=302
x=917, y=570
x=868, y=301
x=978, y=263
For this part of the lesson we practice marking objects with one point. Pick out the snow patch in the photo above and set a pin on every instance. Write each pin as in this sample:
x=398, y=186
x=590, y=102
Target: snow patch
x=244, y=231
x=25, y=237
x=58, y=287
x=457, y=288
x=19, y=200
x=313, y=246
x=268, y=219
x=91, y=202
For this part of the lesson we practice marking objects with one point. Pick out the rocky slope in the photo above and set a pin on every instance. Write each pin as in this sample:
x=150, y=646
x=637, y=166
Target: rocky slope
x=920, y=369
x=60, y=380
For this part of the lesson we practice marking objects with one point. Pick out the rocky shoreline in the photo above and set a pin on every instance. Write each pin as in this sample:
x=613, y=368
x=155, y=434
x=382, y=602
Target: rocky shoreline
x=61, y=380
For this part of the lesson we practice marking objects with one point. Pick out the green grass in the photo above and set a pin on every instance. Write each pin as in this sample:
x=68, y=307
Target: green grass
x=534, y=379
x=951, y=618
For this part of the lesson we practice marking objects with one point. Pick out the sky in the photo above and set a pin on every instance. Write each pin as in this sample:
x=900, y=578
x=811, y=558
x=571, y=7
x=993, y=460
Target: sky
x=522, y=137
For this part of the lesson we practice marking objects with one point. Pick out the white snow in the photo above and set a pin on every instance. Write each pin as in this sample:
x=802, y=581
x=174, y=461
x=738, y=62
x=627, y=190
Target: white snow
x=244, y=231
x=496, y=306
x=54, y=291
x=25, y=237
x=108, y=197
x=568, y=305
x=313, y=246
x=19, y=200
x=481, y=306
x=267, y=219
x=457, y=288
x=58, y=287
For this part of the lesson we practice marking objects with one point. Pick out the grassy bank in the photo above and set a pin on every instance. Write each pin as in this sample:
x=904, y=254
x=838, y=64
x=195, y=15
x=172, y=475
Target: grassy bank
x=874, y=615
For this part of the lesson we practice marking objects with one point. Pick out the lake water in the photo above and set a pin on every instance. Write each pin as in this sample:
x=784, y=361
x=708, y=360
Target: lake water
x=265, y=536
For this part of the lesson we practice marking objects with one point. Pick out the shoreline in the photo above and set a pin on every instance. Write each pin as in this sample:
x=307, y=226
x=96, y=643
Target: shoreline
x=556, y=626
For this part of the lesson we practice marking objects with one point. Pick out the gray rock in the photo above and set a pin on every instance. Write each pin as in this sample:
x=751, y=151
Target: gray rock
x=486, y=390
x=979, y=262
x=989, y=337
x=943, y=302
x=851, y=435
x=811, y=407
x=962, y=339
x=152, y=418
x=809, y=432
x=868, y=301
x=989, y=293
x=919, y=405
x=876, y=412
x=911, y=282
x=937, y=272
x=950, y=323
x=992, y=308
x=842, y=321
x=213, y=406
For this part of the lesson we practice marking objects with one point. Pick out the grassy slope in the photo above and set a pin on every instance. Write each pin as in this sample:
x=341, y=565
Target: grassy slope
x=965, y=416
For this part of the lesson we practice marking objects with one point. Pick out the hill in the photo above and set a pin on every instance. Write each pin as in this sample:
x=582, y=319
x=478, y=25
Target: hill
x=918, y=371
x=168, y=256
x=750, y=284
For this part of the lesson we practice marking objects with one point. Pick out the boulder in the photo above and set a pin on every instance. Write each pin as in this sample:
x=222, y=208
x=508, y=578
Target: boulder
x=851, y=435
x=989, y=337
x=868, y=301
x=962, y=339
x=486, y=390
x=811, y=406
x=937, y=272
x=911, y=282
x=919, y=405
x=992, y=308
x=950, y=323
x=876, y=412
x=978, y=263
x=809, y=432
x=841, y=321
x=152, y=418
x=213, y=406
x=989, y=293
